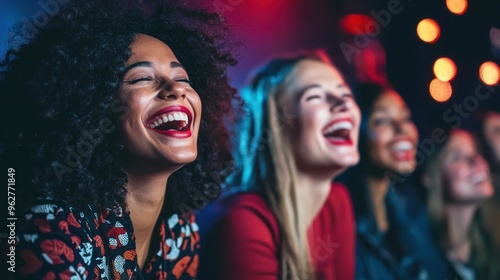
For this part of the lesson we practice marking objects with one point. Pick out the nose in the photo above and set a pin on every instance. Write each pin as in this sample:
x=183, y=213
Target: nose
x=400, y=126
x=478, y=161
x=172, y=90
x=337, y=104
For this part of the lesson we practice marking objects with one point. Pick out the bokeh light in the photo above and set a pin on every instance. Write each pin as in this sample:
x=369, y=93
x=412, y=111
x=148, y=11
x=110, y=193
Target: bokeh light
x=440, y=91
x=355, y=23
x=458, y=7
x=428, y=30
x=445, y=69
x=489, y=72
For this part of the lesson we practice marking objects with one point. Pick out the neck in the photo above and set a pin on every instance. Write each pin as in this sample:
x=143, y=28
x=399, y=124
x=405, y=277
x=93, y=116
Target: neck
x=458, y=222
x=313, y=191
x=378, y=187
x=146, y=194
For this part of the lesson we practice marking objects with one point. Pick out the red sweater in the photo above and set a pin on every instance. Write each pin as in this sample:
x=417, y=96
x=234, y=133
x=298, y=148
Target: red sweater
x=244, y=244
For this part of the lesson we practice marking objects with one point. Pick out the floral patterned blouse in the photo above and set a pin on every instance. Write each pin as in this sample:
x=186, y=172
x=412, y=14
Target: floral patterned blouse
x=61, y=242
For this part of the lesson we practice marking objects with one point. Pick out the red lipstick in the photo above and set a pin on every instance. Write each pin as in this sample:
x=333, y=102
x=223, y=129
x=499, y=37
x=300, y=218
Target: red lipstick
x=184, y=133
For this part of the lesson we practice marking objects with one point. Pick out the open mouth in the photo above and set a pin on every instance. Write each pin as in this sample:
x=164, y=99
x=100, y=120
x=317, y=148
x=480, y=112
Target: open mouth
x=171, y=121
x=339, y=132
x=402, y=150
x=478, y=178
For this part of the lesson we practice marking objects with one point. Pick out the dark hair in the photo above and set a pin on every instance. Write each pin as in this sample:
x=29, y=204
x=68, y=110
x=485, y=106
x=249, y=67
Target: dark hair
x=60, y=105
x=366, y=96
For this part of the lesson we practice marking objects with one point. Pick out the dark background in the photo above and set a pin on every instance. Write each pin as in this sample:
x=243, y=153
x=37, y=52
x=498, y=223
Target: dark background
x=266, y=28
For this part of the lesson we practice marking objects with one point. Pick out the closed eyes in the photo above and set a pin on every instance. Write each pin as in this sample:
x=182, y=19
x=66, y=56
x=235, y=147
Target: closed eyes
x=141, y=79
x=149, y=79
x=311, y=97
x=317, y=96
x=184, y=80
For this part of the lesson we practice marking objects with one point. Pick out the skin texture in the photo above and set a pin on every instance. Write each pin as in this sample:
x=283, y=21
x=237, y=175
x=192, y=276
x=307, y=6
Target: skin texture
x=464, y=170
x=318, y=95
x=147, y=89
x=391, y=124
x=158, y=82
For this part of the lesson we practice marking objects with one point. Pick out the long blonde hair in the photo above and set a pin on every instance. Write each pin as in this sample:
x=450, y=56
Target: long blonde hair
x=266, y=162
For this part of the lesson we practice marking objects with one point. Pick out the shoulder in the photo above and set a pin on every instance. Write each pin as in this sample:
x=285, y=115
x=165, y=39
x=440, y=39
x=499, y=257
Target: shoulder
x=49, y=215
x=339, y=191
x=53, y=237
x=248, y=213
x=243, y=216
x=337, y=212
x=339, y=199
x=244, y=237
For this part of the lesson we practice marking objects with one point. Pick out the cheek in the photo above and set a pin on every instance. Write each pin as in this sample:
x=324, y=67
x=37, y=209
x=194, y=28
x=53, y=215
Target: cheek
x=378, y=138
x=456, y=176
x=413, y=131
x=309, y=122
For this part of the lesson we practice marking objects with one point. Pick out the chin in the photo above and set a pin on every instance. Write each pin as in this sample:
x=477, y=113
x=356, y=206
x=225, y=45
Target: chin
x=403, y=168
x=181, y=159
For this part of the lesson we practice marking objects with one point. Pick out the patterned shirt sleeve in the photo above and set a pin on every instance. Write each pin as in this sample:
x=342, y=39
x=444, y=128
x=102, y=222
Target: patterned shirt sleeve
x=53, y=245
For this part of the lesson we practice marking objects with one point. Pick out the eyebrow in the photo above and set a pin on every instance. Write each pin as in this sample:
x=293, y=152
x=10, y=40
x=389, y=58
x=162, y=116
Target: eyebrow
x=308, y=87
x=385, y=109
x=138, y=64
x=173, y=64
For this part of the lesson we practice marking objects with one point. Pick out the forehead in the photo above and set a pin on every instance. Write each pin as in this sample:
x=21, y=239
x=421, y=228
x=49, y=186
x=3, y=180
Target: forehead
x=389, y=100
x=461, y=141
x=492, y=120
x=311, y=72
x=148, y=48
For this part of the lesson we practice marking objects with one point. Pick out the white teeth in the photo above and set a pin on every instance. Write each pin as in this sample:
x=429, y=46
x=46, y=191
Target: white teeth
x=337, y=126
x=477, y=178
x=402, y=146
x=172, y=116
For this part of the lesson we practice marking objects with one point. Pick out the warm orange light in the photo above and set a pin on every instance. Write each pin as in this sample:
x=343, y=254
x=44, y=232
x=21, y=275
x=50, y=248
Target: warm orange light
x=457, y=6
x=489, y=72
x=445, y=69
x=428, y=30
x=440, y=91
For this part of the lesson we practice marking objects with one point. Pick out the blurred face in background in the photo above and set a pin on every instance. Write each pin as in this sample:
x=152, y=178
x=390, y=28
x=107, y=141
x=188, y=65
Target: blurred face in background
x=392, y=135
x=326, y=118
x=464, y=170
x=491, y=127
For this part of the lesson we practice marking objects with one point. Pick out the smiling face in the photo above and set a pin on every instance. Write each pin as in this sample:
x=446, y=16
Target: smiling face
x=392, y=135
x=325, y=131
x=164, y=111
x=465, y=172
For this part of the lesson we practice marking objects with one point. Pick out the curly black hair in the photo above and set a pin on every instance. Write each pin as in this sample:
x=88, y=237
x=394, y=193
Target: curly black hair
x=61, y=87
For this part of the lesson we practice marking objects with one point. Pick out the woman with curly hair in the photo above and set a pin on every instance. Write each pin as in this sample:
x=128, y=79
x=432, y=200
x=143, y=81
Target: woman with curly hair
x=288, y=220
x=106, y=137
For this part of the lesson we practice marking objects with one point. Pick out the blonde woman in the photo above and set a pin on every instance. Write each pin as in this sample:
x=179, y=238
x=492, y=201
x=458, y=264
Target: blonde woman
x=458, y=180
x=288, y=220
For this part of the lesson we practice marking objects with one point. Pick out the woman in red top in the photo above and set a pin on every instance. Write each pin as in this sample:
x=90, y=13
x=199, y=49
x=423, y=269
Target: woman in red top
x=288, y=221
